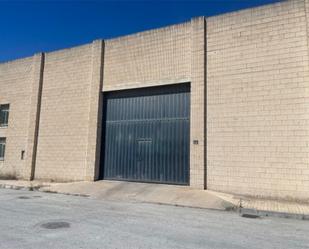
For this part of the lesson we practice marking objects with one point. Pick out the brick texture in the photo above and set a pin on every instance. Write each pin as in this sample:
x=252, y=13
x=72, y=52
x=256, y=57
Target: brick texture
x=257, y=101
x=197, y=125
x=155, y=57
x=95, y=113
x=15, y=89
x=34, y=117
x=64, y=118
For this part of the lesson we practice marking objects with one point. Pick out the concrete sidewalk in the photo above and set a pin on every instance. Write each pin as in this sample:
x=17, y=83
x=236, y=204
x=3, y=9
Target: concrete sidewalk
x=130, y=191
x=143, y=192
x=266, y=207
x=169, y=195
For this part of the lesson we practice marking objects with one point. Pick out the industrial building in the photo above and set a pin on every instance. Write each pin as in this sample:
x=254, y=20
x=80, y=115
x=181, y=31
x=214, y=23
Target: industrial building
x=219, y=103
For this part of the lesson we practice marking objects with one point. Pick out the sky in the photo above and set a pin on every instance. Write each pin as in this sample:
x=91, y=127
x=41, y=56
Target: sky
x=28, y=27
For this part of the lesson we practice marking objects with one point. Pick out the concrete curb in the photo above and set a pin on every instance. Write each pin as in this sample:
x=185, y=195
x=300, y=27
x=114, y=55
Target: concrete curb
x=5, y=186
x=244, y=212
x=21, y=187
x=254, y=213
x=60, y=193
x=38, y=188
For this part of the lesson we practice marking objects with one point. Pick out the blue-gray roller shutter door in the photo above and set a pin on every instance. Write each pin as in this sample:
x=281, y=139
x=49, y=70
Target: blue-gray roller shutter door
x=146, y=135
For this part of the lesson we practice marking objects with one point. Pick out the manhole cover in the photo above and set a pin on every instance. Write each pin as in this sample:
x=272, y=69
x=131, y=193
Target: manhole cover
x=56, y=225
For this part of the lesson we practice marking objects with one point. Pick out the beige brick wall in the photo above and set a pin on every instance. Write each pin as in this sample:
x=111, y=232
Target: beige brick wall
x=34, y=113
x=197, y=122
x=15, y=89
x=258, y=101
x=95, y=113
x=65, y=107
x=155, y=57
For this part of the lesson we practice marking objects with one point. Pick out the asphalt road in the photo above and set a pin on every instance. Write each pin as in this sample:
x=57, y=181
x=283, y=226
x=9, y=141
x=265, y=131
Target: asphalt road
x=43, y=220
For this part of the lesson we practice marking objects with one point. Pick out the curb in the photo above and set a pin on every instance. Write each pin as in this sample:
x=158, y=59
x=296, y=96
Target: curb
x=5, y=186
x=243, y=212
x=16, y=187
x=254, y=213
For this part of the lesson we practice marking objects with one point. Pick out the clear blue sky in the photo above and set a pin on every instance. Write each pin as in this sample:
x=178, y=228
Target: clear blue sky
x=28, y=27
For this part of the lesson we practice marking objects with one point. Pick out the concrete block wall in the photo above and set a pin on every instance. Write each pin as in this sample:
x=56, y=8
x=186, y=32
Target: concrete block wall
x=15, y=89
x=95, y=113
x=34, y=114
x=198, y=102
x=64, y=116
x=258, y=101
x=155, y=57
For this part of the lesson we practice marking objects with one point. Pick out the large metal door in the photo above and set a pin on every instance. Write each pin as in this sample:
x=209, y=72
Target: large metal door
x=146, y=135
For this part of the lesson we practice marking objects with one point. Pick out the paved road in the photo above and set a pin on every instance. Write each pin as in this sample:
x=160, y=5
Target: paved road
x=26, y=219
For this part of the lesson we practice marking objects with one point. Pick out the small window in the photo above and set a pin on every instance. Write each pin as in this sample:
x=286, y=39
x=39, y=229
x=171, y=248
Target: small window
x=4, y=115
x=2, y=148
